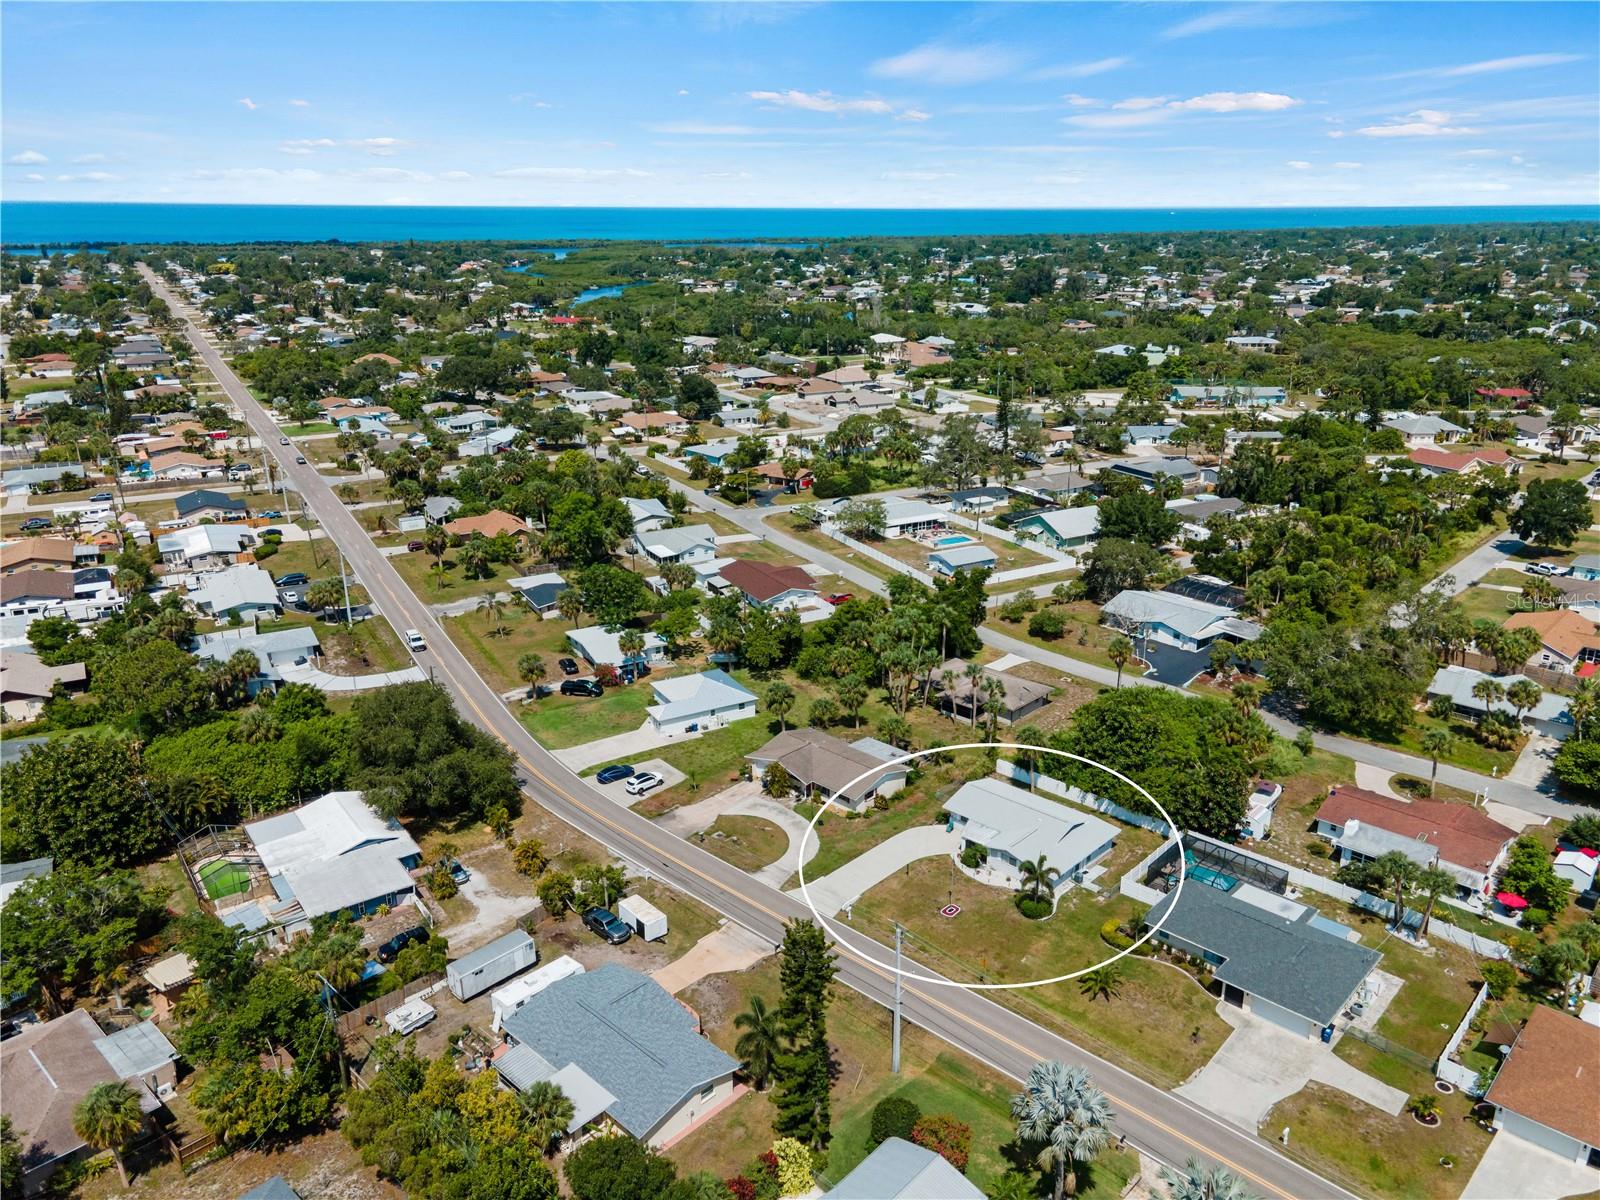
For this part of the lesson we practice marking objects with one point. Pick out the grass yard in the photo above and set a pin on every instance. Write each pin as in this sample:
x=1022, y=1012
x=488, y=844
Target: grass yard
x=915, y=553
x=709, y=763
x=937, y=1079
x=1084, y=639
x=748, y=843
x=494, y=655
x=561, y=721
x=1466, y=751
x=167, y=874
x=1490, y=603
x=1375, y=1154
x=418, y=572
x=1161, y=1023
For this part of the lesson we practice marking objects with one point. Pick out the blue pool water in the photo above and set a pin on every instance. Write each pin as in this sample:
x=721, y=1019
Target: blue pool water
x=955, y=539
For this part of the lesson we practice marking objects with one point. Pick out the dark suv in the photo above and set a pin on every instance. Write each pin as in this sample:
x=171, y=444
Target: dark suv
x=608, y=925
x=390, y=950
x=581, y=687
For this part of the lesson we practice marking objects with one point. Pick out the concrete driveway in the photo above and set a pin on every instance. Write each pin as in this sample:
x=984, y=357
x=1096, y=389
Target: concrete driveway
x=847, y=884
x=621, y=747
x=730, y=948
x=1512, y=1169
x=687, y=819
x=1261, y=1064
x=745, y=798
x=618, y=791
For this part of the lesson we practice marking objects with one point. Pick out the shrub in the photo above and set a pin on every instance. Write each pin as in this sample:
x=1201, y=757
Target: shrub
x=1283, y=759
x=1500, y=976
x=1317, y=849
x=763, y=1175
x=440, y=883
x=1047, y=623
x=1304, y=742
x=1031, y=907
x=894, y=1116
x=1111, y=933
x=974, y=857
x=741, y=1188
x=794, y=1166
x=1535, y=918
x=880, y=802
x=266, y=550
x=945, y=1136
x=1015, y=609
x=530, y=858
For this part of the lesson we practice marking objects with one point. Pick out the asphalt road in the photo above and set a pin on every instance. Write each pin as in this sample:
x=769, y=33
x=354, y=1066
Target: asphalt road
x=1165, y=1125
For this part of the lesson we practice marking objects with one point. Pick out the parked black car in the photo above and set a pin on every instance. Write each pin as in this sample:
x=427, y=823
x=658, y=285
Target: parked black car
x=390, y=950
x=615, y=772
x=567, y=665
x=581, y=687
x=608, y=925
x=294, y=579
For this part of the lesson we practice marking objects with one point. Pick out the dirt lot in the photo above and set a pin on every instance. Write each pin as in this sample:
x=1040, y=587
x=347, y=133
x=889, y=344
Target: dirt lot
x=323, y=1165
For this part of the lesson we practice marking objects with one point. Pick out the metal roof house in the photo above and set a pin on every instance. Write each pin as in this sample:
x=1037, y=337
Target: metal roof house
x=631, y=1041
x=974, y=556
x=274, y=650
x=1176, y=620
x=1015, y=827
x=686, y=544
x=899, y=1170
x=709, y=700
x=1549, y=717
x=245, y=589
x=1062, y=528
x=542, y=592
x=1267, y=953
x=598, y=645
x=1150, y=471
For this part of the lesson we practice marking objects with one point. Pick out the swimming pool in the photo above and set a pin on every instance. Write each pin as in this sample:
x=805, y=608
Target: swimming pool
x=1208, y=876
x=954, y=539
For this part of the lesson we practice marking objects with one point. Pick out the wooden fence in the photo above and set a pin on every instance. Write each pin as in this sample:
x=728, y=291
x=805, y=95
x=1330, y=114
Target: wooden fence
x=352, y=1021
x=1551, y=680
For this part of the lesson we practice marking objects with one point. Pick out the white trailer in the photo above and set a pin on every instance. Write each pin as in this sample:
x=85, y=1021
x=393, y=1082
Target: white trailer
x=648, y=921
x=518, y=992
x=495, y=963
x=410, y=1016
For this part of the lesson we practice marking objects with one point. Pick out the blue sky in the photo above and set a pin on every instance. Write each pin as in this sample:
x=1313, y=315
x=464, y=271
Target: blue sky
x=803, y=105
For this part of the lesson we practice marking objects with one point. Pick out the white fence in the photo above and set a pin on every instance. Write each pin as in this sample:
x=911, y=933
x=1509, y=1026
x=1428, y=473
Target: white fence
x=1453, y=1072
x=877, y=556
x=1080, y=797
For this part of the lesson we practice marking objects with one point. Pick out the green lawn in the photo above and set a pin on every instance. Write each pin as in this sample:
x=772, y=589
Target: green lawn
x=494, y=655
x=1466, y=751
x=1490, y=604
x=1084, y=639
x=561, y=721
x=748, y=843
x=418, y=572
x=1161, y=1024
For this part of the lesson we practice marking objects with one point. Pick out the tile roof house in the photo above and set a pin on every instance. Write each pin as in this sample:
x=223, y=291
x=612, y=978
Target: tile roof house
x=1443, y=462
x=824, y=765
x=899, y=1170
x=1566, y=640
x=1458, y=837
x=653, y=1073
x=490, y=524
x=1272, y=957
x=710, y=700
x=652, y=423
x=768, y=586
x=1546, y=1092
x=1015, y=826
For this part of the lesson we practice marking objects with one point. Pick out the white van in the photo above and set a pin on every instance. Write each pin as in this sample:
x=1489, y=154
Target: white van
x=415, y=640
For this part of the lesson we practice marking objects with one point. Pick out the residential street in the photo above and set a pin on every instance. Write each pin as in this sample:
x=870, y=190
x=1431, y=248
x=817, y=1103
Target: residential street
x=1167, y=1126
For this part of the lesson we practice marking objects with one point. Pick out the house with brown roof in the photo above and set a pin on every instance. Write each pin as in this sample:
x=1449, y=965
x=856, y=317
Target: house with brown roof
x=375, y=356
x=1548, y=1090
x=1460, y=838
x=491, y=524
x=826, y=767
x=654, y=423
x=183, y=465
x=1017, y=697
x=33, y=592
x=41, y=553
x=1566, y=640
x=1444, y=462
x=26, y=683
x=766, y=585
x=772, y=472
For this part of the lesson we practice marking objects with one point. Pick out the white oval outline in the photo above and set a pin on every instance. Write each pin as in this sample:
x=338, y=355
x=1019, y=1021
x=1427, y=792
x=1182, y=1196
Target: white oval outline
x=1176, y=838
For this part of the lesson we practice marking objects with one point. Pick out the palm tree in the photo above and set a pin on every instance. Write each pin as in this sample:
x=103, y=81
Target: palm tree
x=1400, y=873
x=1489, y=692
x=1432, y=882
x=435, y=542
x=107, y=1118
x=974, y=674
x=780, y=700
x=1062, y=1110
x=760, y=1043
x=994, y=702
x=895, y=730
x=570, y=605
x=1102, y=983
x=257, y=725
x=324, y=594
x=1523, y=695
x=1196, y=1182
x=531, y=669
x=547, y=1110
x=1436, y=743
x=1035, y=875
x=631, y=643
x=1013, y=1185
x=1246, y=697
x=852, y=694
x=1119, y=651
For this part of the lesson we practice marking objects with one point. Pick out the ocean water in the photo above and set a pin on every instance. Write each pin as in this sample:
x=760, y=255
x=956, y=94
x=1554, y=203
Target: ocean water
x=25, y=223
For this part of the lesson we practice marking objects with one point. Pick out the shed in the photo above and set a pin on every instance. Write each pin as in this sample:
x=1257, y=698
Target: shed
x=492, y=964
x=648, y=921
x=514, y=995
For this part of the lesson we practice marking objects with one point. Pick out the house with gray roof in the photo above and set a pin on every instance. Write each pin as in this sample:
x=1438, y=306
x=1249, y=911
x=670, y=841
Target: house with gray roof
x=1151, y=471
x=685, y=544
x=1176, y=620
x=1014, y=826
x=1270, y=956
x=647, y=514
x=631, y=1041
x=273, y=649
x=1422, y=429
x=245, y=589
x=1062, y=528
x=899, y=1170
x=439, y=509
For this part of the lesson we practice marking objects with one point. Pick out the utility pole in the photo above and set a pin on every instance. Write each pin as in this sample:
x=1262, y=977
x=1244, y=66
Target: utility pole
x=894, y=1063
x=344, y=578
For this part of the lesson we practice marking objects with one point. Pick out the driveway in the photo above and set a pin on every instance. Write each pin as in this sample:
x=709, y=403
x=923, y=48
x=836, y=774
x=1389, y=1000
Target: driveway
x=847, y=884
x=495, y=912
x=702, y=814
x=322, y=681
x=730, y=948
x=620, y=747
x=1261, y=1064
x=618, y=791
x=1512, y=1169
x=1535, y=761
x=1168, y=664
x=745, y=798
x=1376, y=779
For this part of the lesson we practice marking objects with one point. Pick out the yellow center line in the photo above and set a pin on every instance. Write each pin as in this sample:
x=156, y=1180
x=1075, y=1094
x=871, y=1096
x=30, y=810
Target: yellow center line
x=695, y=871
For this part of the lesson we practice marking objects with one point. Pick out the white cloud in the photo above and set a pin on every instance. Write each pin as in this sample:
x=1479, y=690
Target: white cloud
x=1495, y=66
x=1299, y=164
x=1257, y=16
x=1083, y=70
x=379, y=145
x=702, y=129
x=913, y=114
x=917, y=176
x=1078, y=101
x=34, y=177
x=821, y=102
x=89, y=177
x=249, y=103
x=1139, y=103
x=573, y=173
x=683, y=91
x=305, y=145
x=28, y=158
x=1225, y=102
x=83, y=159
x=1425, y=122
x=301, y=103
x=947, y=64
x=455, y=176
x=1347, y=166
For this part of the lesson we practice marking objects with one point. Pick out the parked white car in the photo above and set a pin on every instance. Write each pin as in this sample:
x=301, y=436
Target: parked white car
x=643, y=782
